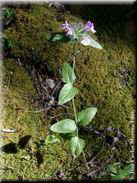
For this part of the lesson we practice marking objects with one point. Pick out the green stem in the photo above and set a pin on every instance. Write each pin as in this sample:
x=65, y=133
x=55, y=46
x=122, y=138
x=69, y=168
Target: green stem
x=74, y=108
x=73, y=102
x=73, y=63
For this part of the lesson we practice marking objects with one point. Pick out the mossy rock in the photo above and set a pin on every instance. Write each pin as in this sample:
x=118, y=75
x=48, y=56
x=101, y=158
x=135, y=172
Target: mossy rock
x=29, y=36
x=21, y=160
x=105, y=78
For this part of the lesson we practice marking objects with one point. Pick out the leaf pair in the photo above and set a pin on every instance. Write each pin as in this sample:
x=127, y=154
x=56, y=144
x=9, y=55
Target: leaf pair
x=68, y=126
x=84, y=117
x=68, y=92
x=119, y=174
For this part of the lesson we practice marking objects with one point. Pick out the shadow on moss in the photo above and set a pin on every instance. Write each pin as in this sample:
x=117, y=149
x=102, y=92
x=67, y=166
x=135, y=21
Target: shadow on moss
x=10, y=148
x=23, y=141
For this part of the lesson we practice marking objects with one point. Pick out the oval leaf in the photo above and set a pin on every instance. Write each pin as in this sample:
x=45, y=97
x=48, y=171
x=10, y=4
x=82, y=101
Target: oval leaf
x=59, y=36
x=76, y=145
x=129, y=169
x=68, y=74
x=67, y=93
x=64, y=126
x=95, y=44
x=86, y=115
x=118, y=177
x=112, y=169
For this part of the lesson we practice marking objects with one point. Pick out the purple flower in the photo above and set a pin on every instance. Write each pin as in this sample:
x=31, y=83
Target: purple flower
x=85, y=40
x=79, y=32
x=67, y=28
x=89, y=27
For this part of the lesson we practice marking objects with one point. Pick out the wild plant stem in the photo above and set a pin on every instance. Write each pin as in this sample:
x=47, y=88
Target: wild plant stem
x=73, y=63
x=73, y=102
x=74, y=107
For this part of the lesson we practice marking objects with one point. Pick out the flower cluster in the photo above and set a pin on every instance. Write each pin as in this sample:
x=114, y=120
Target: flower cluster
x=79, y=32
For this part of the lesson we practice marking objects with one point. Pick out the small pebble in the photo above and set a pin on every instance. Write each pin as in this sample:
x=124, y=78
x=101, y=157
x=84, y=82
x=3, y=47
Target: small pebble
x=50, y=83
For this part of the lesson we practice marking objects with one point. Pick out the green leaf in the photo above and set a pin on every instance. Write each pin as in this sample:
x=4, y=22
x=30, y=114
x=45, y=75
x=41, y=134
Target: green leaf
x=118, y=177
x=67, y=93
x=68, y=74
x=112, y=169
x=86, y=115
x=64, y=126
x=95, y=44
x=128, y=169
x=76, y=144
x=51, y=139
x=8, y=15
x=59, y=36
x=7, y=42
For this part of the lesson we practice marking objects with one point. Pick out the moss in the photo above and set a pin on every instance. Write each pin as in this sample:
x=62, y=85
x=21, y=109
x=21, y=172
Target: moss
x=29, y=36
x=17, y=78
x=100, y=80
x=111, y=19
x=23, y=162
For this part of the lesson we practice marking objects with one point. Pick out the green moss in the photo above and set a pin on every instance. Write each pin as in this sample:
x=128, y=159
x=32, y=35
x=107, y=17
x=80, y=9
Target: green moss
x=24, y=164
x=100, y=80
x=19, y=115
x=17, y=77
x=29, y=36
